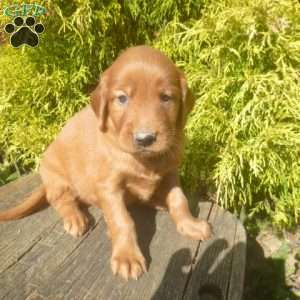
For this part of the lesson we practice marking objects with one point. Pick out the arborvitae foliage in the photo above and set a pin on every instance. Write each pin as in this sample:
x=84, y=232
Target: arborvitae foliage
x=243, y=62
x=241, y=58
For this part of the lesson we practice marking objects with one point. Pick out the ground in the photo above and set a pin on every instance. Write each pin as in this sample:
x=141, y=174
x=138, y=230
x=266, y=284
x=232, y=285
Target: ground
x=273, y=265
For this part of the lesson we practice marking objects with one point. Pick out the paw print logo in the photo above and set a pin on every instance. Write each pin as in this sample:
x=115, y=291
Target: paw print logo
x=24, y=31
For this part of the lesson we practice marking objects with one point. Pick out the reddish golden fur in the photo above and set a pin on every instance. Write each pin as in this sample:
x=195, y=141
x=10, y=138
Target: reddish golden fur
x=95, y=158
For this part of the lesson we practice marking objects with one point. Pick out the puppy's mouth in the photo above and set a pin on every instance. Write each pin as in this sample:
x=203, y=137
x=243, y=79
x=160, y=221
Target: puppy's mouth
x=146, y=152
x=152, y=151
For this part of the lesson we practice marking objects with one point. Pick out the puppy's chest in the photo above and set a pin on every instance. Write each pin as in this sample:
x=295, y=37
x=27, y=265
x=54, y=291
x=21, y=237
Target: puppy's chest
x=142, y=185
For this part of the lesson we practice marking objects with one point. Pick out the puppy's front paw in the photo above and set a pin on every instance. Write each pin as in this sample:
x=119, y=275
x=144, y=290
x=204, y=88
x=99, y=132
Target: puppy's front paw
x=76, y=223
x=128, y=262
x=195, y=229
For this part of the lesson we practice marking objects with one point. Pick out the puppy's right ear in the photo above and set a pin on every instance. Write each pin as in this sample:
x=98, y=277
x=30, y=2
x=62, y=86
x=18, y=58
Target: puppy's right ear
x=99, y=103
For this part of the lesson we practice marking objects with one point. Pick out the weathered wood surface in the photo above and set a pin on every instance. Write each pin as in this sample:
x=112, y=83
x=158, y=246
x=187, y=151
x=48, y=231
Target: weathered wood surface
x=38, y=260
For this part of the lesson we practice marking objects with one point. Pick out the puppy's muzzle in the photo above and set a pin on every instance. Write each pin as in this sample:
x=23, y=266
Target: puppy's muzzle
x=144, y=139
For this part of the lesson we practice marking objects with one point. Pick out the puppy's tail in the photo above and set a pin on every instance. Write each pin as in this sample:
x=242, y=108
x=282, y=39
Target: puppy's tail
x=31, y=204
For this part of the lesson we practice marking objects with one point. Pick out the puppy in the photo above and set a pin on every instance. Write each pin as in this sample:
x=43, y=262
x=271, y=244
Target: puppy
x=124, y=147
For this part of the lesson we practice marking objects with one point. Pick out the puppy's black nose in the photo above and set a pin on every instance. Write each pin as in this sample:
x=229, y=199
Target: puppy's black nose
x=144, y=139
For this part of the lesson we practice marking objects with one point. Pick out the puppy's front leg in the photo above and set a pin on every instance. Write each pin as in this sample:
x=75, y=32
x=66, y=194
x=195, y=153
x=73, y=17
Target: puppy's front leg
x=127, y=259
x=177, y=204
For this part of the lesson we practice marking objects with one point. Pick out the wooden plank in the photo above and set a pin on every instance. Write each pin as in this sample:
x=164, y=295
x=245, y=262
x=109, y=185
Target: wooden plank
x=41, y=263
x=28, y=245
x=180, y=260
x=18, y=237
x=38, y=260
x=235, y=290
x=13, y=192
x=89, y=264
x=219, y=261
x=53, y=265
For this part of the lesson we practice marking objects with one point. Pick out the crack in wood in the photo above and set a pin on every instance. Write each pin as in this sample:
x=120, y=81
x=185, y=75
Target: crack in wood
x=194, y=259
x=34, y=244
x=87, y=234
x=231, y=265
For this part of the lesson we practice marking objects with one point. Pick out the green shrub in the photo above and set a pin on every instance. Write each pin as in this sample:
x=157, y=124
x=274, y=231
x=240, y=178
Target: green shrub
x=242, y=59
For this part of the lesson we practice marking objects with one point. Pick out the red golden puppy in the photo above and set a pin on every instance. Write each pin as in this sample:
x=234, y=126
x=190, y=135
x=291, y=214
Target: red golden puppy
x=124, y=147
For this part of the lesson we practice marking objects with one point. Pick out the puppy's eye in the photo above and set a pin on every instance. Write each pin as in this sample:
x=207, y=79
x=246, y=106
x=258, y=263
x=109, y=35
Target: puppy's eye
x=165, y=98
x=122, y=99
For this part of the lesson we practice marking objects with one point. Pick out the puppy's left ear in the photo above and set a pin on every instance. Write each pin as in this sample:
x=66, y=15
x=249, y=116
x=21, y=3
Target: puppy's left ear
x=187, y=102
x=99, y=103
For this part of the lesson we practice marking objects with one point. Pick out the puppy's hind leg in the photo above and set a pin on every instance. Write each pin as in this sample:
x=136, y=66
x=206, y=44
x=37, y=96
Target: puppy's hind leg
x=59, y=191
x=75, y=221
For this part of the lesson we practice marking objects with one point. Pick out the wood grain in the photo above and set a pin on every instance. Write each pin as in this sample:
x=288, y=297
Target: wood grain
x=38, y=260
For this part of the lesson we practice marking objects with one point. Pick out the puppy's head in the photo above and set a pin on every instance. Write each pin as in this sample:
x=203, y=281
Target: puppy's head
x=142, y=102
